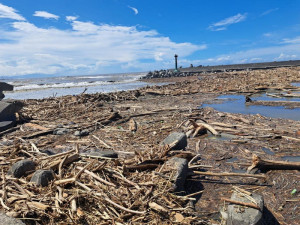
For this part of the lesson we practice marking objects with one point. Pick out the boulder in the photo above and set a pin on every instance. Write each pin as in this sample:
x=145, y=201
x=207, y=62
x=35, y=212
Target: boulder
x=177, y=140
x=7, y=220
x=246, y=216
x=106, y=154
x=21, y=168
x=42, y=177
x=8, y=109
x=6, y=87
x=177, y=168
x=4, y=125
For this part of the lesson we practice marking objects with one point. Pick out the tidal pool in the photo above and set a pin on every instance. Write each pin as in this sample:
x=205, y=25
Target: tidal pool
x=236, y=104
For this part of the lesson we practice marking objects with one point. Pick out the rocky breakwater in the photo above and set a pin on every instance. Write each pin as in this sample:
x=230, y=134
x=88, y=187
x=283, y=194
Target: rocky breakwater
x=166, y=73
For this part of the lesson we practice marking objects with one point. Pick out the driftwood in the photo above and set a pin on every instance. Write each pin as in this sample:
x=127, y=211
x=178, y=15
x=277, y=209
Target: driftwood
x=230, y=174
x=252, y=205
x=264, y=164
x=38, y=134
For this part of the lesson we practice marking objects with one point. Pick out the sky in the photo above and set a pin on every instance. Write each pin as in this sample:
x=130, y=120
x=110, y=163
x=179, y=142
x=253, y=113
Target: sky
x=78, y=37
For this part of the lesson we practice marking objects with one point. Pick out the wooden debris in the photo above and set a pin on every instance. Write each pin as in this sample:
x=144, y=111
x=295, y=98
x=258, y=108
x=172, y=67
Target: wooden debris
x=231, y=174
x=252, y=205
x=263, y=164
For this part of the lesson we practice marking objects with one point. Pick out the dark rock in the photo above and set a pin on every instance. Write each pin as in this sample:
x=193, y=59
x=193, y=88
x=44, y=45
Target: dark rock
x=81, y=133
x=248, y=99
x=6, y=87
x=21, y=168
x=8, y=110
x=2, y=96
x=178, y=168
x=4, y=125
x=42, y=177
x=48, y=152
x=247, y=216
x=61, y=131
x=7, y=220
x=106, y=154
x=181, y=139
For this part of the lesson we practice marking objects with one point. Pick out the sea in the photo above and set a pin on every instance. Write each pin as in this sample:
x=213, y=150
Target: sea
x=45, y=87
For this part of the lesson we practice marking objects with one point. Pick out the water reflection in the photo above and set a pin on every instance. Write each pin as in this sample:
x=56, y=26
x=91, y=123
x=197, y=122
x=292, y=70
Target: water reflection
x=236, y=104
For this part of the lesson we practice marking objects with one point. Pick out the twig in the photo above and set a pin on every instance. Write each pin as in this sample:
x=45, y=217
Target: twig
x=102, y=142
x=96, y=177
x=119, y=206
x=242, y=203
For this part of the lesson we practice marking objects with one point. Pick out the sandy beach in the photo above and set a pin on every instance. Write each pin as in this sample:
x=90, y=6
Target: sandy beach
x=136, y=187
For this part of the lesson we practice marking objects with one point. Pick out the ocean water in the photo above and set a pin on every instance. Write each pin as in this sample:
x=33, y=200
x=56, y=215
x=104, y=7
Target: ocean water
x=39, y=88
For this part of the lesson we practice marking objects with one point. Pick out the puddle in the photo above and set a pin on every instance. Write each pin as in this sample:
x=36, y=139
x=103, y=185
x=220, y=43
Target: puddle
x=291, y=158
x=236, y=104
x=296, y=84
x=265, y=97
x=234, y=159
x=238, y=170
x=268, y=151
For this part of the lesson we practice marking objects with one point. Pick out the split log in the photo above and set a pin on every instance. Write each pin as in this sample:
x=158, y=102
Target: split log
x=264, y=164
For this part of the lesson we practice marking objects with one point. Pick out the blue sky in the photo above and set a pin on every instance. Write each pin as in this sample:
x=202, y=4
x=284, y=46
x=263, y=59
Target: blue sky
x=76, y=37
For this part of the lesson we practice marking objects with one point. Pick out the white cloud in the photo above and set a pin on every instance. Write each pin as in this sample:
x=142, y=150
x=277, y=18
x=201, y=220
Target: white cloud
x=9, y=13
x=269, y=11
x=86, y=48
x=283, y=56
x=291, y=40
x=71, y=18
x=223, y=24
x=267, y=34
x=134, y=10
x=45, y=15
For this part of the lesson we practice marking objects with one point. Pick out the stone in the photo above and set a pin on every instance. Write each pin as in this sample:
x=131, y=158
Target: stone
x=6, y=87
x=106, y=154
x=48, y=152
x=42, y=177
x=247, y=216
x=181, y=139
x=21, y=168
x=81, y=133
x=8, y=109
x=4, y=125
x=178, y=168
x=61, y=131
x=7, y=220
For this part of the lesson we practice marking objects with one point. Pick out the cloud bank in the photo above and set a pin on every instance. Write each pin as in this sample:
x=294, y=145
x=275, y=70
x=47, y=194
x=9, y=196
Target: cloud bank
x=84, y=48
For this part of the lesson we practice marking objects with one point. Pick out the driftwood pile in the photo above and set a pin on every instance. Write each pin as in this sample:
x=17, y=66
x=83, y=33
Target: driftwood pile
x=133, y=188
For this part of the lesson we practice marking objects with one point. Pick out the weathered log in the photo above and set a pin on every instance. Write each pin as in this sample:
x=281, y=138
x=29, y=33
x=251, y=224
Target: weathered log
x=230, y=174
x=263, y=164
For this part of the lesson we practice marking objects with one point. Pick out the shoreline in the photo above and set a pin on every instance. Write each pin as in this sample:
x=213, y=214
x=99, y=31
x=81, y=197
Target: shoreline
x=133, y=124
